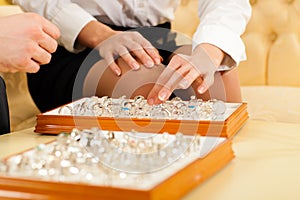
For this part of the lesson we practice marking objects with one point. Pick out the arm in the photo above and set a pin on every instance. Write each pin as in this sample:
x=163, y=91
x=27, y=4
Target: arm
x=216, y=40
x=129, y=45
x=221, y=24
x=79, y=29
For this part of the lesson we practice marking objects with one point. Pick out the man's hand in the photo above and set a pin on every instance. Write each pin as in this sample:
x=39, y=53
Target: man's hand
x=26, y=42
x=183, y=70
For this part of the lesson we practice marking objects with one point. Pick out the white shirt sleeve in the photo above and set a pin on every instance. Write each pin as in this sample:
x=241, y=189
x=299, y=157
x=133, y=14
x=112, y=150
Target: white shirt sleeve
x=69, y=17
x=221, y=23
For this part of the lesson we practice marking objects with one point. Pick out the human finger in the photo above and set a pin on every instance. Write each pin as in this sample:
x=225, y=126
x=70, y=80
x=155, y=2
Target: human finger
x=208, y=80
x=152, y=52
x=129, y=49
x=173, y=82
x=161, y=81
x=110, y=60
x=47, y=43
x=40, y=55
x=130, y=61
x=188, y=79
x=49, y=28
x=149, y=55
x=136, y=49
x=33, y=67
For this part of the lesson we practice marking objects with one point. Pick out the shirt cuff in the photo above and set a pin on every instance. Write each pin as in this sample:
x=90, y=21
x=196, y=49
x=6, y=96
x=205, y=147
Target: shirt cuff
x=71, y=21
x=226, y=40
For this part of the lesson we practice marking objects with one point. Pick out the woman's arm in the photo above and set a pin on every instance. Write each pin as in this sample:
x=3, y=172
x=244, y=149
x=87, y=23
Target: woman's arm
x=221, y=24
x=79, y=30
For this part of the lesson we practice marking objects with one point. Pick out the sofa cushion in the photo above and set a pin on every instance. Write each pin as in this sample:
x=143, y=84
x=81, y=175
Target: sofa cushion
x=22, y=108
x=9, y=10
x=272, y=44
x=272, y=47
x=5, y=2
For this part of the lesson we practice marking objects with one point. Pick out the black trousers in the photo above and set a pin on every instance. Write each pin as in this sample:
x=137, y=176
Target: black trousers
x=60, y=81
x=4, y=112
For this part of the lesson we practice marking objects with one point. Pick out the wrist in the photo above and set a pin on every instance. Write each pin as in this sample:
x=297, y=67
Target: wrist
x=216, y=54
x=94, y=33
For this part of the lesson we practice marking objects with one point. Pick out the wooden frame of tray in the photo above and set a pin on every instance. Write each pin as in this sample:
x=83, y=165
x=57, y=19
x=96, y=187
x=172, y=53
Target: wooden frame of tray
x=173, y=187
x=55, y=124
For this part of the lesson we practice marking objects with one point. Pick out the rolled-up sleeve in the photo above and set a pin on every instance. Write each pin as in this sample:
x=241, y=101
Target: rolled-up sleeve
x=69, y=17
x=222, y=22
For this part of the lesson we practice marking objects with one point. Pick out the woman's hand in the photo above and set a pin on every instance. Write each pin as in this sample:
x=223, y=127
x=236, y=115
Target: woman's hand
x=130, y=46
x=183, y=70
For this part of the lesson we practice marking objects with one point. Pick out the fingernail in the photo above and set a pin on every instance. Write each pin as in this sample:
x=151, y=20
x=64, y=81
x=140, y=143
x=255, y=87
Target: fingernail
x=157, y=61
x=151, y=101
x=184, y=84
x=135, y=65
x=162, y=96
x=117, y=71
x=149, y=64
x=201, y=89
x=161, y=59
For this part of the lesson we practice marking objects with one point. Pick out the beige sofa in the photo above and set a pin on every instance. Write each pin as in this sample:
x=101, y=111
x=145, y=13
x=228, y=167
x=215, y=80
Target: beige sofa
x=269, y=78
x=22, y=107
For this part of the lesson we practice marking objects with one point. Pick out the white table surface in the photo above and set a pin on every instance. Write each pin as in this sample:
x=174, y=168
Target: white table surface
x=266, y=166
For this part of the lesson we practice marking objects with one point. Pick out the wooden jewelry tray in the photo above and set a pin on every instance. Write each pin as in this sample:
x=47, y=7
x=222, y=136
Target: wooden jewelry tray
x=173, y=187
x=236, y=115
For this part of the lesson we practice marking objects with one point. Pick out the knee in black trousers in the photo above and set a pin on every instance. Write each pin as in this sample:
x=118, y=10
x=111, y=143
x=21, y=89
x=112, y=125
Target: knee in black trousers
x=4, y=112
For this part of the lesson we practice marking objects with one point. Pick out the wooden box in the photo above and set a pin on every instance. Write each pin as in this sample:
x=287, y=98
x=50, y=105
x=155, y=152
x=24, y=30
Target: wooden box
x=236, y=115
x=174, y=186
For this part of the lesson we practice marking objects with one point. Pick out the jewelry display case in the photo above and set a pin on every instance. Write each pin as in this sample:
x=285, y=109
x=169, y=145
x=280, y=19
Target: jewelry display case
x=98, y=164
x=210, y=118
